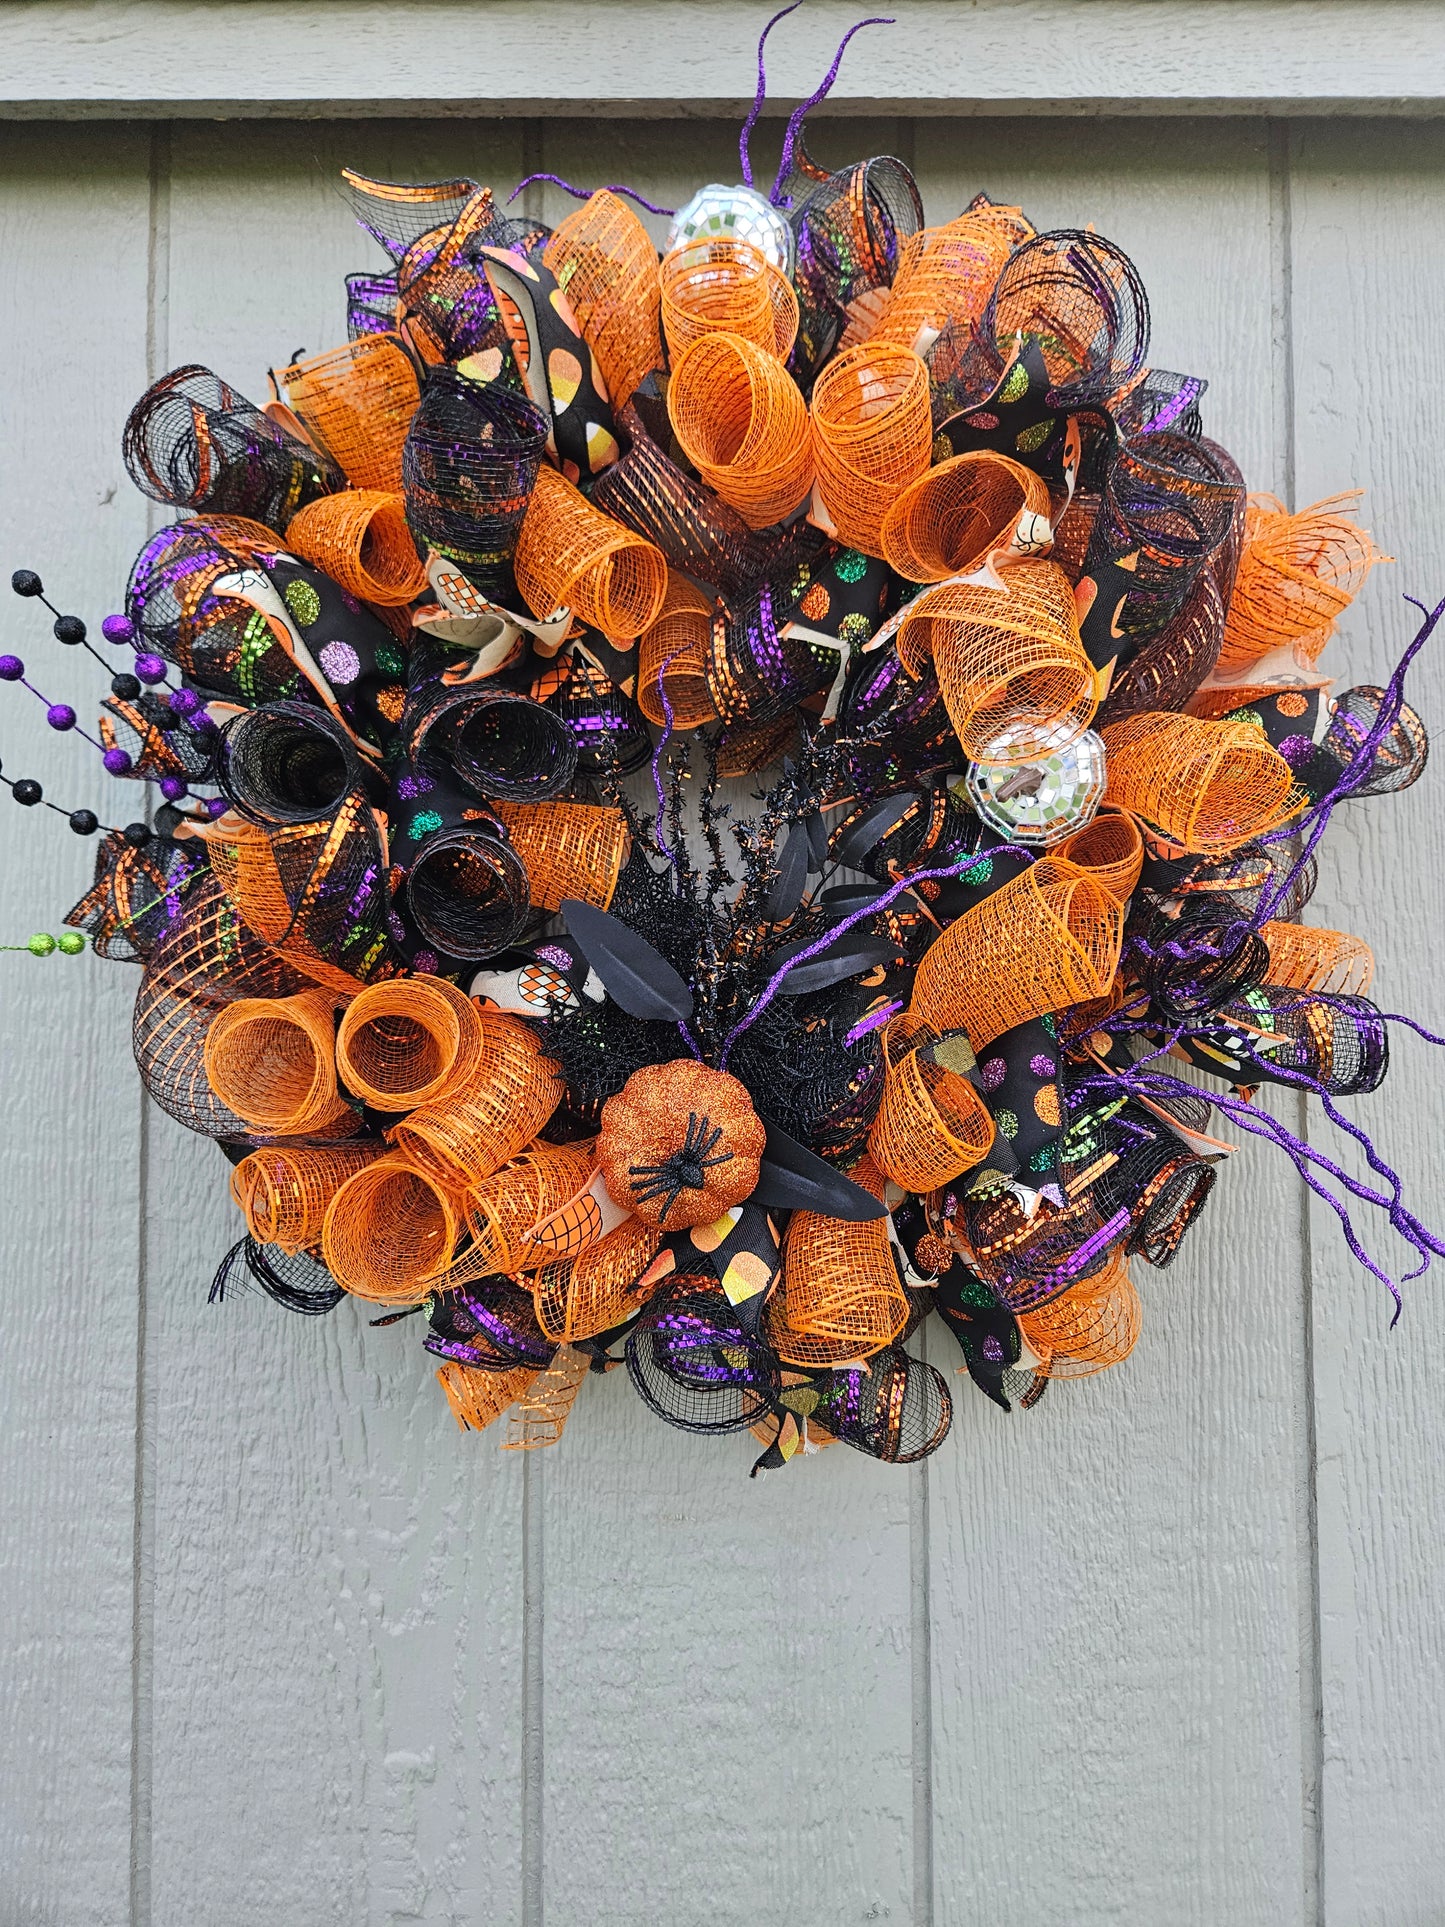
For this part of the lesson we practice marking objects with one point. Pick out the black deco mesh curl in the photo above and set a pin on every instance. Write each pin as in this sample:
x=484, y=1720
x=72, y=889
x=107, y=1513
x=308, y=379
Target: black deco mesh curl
x=222, y=644
x=900, y=721
x=505, y=745
x=1029, y=1261
x=1400, y=759
x=695, y=1363
x=898, y=1410
x=607, y=728
x=1170, y=666
x=1337, y=1042
x=597, y=1048
x=468, y=467
x=848, y=227
x=286, y=763
x=136, y=895
x=467, y=893
x=296, y=1280
x=1083, y=299
x=194, y=442
x=157, y=741
x=1239, y=881
x=1156, y=1180
x=396, y=214
x=1198, y=960
x=491, y=1326
x=806, y=1080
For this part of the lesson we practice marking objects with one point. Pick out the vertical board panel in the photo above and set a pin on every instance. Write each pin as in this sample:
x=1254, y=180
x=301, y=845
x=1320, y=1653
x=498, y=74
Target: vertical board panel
x=74, y=217
x=337, y=1623
x=727, y=1719
x=1116, y=1575
x=1369, y=261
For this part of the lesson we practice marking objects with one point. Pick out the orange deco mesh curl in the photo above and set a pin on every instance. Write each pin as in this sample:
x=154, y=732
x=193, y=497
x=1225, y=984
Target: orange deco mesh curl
x=595, y=1291
x=678, y=639
x=285, y=1190
x=1110, y=848
x=503, y=1208
x=356, y=403
x=606, y=266
x=272, y=1059
x=541, y=1413
x=742, y=423
x=1296, y=573
x=1092, y=1326
x=388, y=1230
x=1304, y=958
x=569, y=849
x=726, y=287
x=1205, y=786
x=1047, y=939
x=570, y=554
x=482, y=1126
x=958, y=513
x=872, y=436
x=408, y=1042
x=931, y=1125
x=945, y=275
x=1008, y=657
x=840, y=1296
x=361, y=540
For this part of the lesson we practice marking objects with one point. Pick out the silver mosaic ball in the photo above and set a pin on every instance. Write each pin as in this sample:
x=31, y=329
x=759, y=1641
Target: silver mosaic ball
x=1039, y=802
x=738, y=214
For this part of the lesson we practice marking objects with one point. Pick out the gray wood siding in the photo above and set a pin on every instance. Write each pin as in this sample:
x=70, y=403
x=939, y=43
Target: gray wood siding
x=282, y=1648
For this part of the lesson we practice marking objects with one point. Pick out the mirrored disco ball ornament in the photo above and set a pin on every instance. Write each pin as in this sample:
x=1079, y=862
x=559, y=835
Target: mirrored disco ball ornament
x=1041, y=801
x=734, y=213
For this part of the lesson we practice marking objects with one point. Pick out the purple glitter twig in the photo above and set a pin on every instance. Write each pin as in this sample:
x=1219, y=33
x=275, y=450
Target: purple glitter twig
x=744, y=155
x=800, y=113
x=586, y=193
x=662, y=742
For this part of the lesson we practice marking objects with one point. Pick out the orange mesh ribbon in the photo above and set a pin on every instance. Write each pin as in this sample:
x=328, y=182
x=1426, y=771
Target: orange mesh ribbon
x=477, y=1398
x=872, y=436
x=408, y=1042
x=742, y=423
x=1296, y=574
x=542, y=1411
x=840, y=1296
x=946, y=274
x=675, y=648
x=502, y=1209
x=388, y=1230
x=606, y=266
x=962, y=511
x=1304, y=958
x=931, y=1124
x=272, y=1059
x=482, y=1126
x=1008, y=659
x=285, y=1190
x=1204, y=786
x=596, y=1291
x=356, y=404
x=1110, y=848
x=1094, y=1324
x=569, y=849
x=569, y=554
x=1047, y=939
x=726, y=287
x=362, y=541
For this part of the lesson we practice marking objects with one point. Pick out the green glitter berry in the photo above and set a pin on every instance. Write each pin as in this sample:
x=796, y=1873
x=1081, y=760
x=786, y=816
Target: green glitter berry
x=303, y=602
x=71, y=943
x=40, y=945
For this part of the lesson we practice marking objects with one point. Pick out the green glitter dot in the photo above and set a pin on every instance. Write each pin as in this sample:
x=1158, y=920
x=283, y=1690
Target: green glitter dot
x=1042, y=1159
x=980, y=871
x=1049, y=1023
x=303, y=602
x=423, y=823
x=855, y=629
x=1008, y=1124
x=850, y=566
x=390, y=660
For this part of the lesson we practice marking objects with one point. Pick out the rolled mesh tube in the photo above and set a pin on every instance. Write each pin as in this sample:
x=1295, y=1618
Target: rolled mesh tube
x=286, y=763
x=468, y=469
x=408, y=1042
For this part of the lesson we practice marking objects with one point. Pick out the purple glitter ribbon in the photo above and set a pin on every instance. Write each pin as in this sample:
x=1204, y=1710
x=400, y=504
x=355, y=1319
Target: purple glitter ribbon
x=586, y=193
x=745, y=137
x=800, y=114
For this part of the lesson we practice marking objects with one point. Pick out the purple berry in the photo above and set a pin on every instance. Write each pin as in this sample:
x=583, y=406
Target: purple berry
x=150, y=668
x=117, y=762
x=217, y=805
x=173, y=788
x=117, y=628
x=185, y=702
x=60, y=716
x=11, y=668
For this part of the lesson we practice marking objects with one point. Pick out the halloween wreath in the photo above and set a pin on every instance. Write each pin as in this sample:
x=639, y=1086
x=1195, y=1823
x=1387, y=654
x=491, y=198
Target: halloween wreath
x=506, y=1013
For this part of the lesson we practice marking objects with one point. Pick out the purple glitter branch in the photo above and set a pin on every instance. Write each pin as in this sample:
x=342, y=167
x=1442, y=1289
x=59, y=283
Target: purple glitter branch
x=800, y=113
x=586, y=193
x=745, y=137
x=662, y=742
